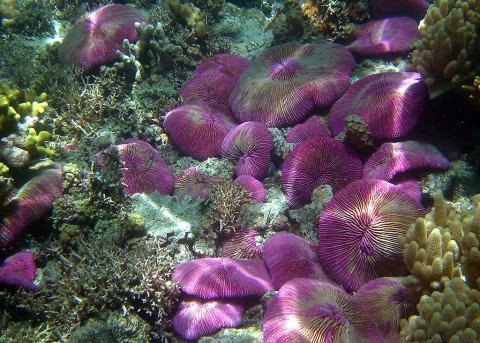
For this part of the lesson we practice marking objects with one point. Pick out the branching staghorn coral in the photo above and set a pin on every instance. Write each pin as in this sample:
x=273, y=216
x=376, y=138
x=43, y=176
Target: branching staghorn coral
x=446, y=55
x=89, y=280
x=226, y=200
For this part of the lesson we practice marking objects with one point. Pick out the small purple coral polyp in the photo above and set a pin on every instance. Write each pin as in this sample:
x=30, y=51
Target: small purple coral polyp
x=198, y=129
x=315, y=162
x=250, y=145
x=94, y=40
x=389, y=103
x=285, y=83
x=358, y=232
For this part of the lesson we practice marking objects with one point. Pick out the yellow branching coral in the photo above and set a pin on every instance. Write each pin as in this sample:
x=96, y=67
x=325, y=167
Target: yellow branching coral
x=473, y=91
x=35, y=143
x=15, y=103
x=191, y=14
x=449, y=316
x=470, y=245
x=446, y=54
x=431, y=246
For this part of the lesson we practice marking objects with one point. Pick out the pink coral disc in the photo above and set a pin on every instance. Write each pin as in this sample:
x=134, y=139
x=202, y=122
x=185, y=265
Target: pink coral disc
x=312, y=311
x=315, y=162
x=385, y=36
x=389, y=103
x=393, y=158
x=94, y=40
x=285, y=83
x=358, y=232
x=198, y=129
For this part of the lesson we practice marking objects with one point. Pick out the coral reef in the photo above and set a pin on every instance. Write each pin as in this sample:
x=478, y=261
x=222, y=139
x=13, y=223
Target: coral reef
x=446, y=53
x=334, y=19
x=190, y=14
x=92, y=278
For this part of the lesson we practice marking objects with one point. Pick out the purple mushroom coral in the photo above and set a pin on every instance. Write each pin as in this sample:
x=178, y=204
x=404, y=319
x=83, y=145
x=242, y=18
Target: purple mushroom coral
x=19, y=270
x=385, y=36
x=318, y=161
x=289, y=256
x=389, y=103
x=211, y=278
x=253, y=186
x=190, y=182
x=198, y=129
x=358, y=232
x=315, y=126
x=285, y=83
x=33, y=200
x=95, y=38
x=229, y=64
x=250, y=145
x=312, y=311
x=387, y=301
x=214, y=80
x=144, y=170
x=244, y=244
x=393, y=158
x=211, y=87
x=199, y=317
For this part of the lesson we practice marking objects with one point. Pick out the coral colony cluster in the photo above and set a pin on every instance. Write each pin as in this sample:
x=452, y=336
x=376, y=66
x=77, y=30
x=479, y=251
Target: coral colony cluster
x=283, y=125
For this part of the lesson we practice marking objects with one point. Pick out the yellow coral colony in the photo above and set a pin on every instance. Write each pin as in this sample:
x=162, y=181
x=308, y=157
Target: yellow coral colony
x=431, y=246
x=442, y=253
x=447, y=53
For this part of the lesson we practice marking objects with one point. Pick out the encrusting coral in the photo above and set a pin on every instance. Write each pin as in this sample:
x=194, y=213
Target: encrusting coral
x=446, y=53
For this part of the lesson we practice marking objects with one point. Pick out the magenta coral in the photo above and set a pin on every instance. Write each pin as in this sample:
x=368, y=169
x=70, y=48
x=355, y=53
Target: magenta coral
x=289, y=256
x=194, y=184
x=387, y=301
x=211, y=87
x=33, y=201
x=19, y=270
x=250, y=145
x=246, y=243
x=230, y=65
x=312, y=311
x=389, y=103
x=211, y=278
x=94, y=40
x=358, y=232
x=285, y=83
x=198, y=129
x=315, y=126
x=315, y=162
x=144, y=170
x=253, y=186
x=385, y=36
x=393, y=158
x=198, y=317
